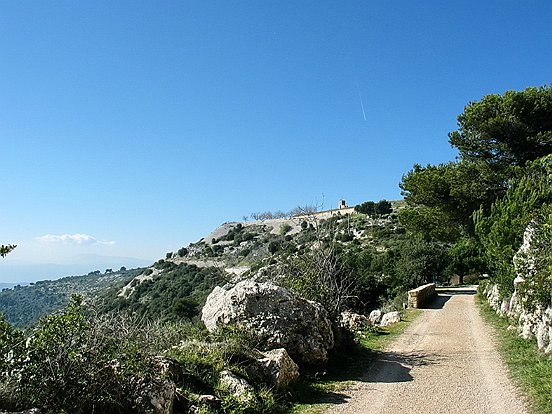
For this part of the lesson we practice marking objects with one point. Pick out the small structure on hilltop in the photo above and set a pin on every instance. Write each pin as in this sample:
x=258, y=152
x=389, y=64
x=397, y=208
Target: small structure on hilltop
x=342, y=204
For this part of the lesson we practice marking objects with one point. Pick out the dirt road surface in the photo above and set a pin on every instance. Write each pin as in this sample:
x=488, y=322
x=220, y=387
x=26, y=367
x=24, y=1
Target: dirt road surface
x=445, y=362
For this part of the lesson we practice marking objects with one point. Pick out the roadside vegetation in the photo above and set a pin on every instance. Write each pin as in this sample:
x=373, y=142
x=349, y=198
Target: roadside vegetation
x=98, y=353
x=23, y=306
x=319, y=392
x=530, y=369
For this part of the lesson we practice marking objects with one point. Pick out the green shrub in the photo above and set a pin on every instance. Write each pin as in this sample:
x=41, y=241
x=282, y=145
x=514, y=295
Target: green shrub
x=284, y=228
x=12, y=344
x=273, y=246
x=182, y=252
x=501, y=229
x=72, y=363
x=245, y=252
x=368, y=207
x=383, y=207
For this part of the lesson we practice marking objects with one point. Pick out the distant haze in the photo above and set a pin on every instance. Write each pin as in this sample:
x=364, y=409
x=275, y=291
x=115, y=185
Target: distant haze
x=24, y=272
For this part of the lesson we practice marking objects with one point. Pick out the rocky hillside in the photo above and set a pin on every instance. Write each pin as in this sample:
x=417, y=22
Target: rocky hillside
x=530, y=314
x=176, y=286
x=24, y=305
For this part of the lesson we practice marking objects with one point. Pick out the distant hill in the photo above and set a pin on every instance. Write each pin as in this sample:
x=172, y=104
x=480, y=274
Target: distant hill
x=17, y=272
x=177, y=285
x=24, y=305
x=10, y=285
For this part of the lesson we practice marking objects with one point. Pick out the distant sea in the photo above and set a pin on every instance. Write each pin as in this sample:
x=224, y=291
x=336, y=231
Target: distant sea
x=14, y=272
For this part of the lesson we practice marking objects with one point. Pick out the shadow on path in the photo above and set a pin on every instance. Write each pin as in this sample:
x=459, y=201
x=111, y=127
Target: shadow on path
x=365, y=366
x=438, y=302
x=391, y=367
x=467, y=290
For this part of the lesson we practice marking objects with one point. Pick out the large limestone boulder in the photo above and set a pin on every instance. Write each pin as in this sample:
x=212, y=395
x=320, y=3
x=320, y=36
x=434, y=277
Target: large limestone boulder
x=278, y=318
x=389, y=318
x=375, y=316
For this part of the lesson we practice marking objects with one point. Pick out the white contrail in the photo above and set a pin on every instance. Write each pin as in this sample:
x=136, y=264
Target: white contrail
x=361, y=104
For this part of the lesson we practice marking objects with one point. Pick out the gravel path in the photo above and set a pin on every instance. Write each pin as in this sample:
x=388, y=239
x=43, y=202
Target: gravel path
x=445, y=362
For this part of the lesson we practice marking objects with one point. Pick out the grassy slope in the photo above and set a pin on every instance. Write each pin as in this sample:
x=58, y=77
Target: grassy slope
x=322, y=390
x=530, y=369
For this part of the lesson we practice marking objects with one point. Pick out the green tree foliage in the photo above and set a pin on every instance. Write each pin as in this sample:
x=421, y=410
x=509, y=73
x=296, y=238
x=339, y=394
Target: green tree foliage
x=368, y=268
x=182, y=252
x=383, y=207
x=6, y=248
x=441, y=199
x=506, y=130
x=418, y=262
x=465, y=257
x=371, y=208
x=501, y=230
x=496, y=137
x=368, y=207
x=536, y=263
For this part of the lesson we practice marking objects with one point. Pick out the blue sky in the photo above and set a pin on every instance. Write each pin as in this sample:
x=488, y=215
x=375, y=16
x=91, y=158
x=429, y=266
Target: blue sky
x=132, y=128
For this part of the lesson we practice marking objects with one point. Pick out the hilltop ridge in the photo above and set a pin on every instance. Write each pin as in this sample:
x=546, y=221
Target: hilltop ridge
x=232, y=251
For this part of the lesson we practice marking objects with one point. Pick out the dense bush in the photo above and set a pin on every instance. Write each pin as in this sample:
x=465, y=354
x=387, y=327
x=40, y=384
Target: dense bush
x=182, y=252
x=371, y=208
x=501, y=230
x=540, y=284
x=178, y=293
x=284, y=228
x=368, y=207
x=75, y=362
x=78, y=361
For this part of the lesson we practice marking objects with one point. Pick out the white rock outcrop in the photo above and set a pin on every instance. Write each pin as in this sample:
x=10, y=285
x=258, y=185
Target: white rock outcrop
x=154, y=397
x=353, y=321
x=390, y=317
x=530, y=322
x=276, y=316
x=238, y=386
x=278, y=366
x=375, y=316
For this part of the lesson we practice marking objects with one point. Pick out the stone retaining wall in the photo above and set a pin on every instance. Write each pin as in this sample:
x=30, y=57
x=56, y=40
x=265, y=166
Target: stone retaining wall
x=421, y=295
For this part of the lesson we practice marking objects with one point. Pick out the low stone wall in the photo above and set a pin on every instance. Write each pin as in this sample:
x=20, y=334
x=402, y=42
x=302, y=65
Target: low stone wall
x=421, y=296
